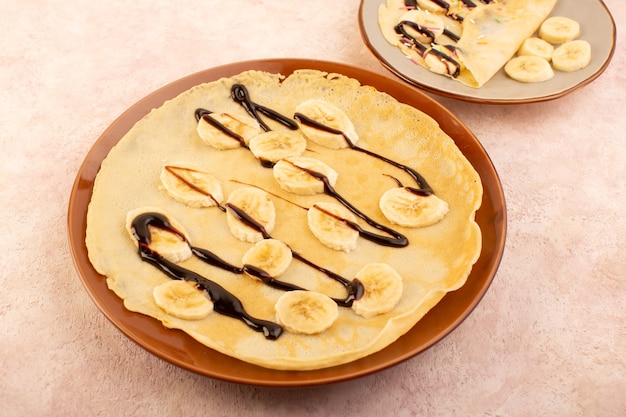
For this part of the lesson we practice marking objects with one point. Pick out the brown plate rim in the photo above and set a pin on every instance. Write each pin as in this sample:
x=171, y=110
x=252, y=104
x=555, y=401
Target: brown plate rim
x=369, y=39
x=180, y=349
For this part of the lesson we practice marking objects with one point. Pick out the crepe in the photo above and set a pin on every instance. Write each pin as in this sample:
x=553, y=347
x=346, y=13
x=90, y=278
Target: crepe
x=437, y=260
x=490, y=34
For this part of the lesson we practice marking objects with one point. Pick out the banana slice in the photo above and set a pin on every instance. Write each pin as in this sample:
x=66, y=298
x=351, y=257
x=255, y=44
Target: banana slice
x=329, y=115
x=269, y=255
x=255, y=203
x=292, y=175
x=306, y=312
x=326, y=223
x=443, y=60
x=273, y=146
x=408, y=209
x=559, y=29
x=166, y=243
x=191, y=187
x=383, y=290
x=536, y=47
x=217, y=138
x=529, y=69
x=431, y=6
x=183, y=300
x=430, y=22
x=572, y=56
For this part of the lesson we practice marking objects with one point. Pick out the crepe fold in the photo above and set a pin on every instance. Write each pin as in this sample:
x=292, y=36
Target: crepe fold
x=492, y=35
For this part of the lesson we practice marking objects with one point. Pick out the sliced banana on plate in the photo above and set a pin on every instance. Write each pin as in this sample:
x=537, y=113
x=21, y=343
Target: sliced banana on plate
x=270, y=256
x=406, y=208
x=529, y=69
x=191, y=187
x=559, y=29
x=216, y=137
x=536, y=47
x=182, y=299
x=306, y=312
x=293, y=175
x=327, y=223
x=431, y=24
x=383, y=290
x=256, y=204
x=273, y=146
x=572, y=56
x=329, y=115
x=170, y=245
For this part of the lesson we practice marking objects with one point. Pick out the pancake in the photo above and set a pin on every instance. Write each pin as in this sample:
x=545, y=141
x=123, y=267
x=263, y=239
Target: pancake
x=437, y=259
x=489, y=34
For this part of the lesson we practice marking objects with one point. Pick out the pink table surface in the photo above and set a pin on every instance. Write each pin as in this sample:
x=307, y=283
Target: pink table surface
x=549, y=337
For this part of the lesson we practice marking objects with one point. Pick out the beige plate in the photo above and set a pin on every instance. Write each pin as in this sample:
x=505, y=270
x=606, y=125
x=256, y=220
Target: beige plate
x=597, y=27
x=180, y=349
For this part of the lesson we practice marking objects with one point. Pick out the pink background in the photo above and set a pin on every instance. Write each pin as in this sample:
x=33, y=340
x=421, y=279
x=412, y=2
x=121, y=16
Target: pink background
x=549, y=337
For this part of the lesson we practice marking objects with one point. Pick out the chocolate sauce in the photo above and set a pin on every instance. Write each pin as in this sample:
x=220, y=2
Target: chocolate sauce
x=424, y=50
x=413, y=190
x=447, y=59
x=421, y=181
x=224, y=302
x=451, y=35
x=240, y=94
x=354, y=287
x=397, y=240
x=442, y=4
x=269, y=280
x=141, y=232
x=174, y=171
x=412, y=4
x=400, y=29
x=212, y=259
x=206, y=115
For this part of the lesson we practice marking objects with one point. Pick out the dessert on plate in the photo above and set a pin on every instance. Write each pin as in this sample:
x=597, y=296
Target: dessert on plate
x=294, y=222
x=471, y=40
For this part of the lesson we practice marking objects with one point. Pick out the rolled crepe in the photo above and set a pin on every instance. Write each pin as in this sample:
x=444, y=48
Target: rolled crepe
x=492, y=34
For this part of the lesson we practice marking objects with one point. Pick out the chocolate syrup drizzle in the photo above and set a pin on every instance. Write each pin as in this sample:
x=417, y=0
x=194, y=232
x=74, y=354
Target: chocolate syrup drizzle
x=224, y=302
x=355, y=287
x=240, y=94
x=400, y=29
x=454, y=69
x=173, y=170
x=142, y=234
x=424, y=188
x=397, y=240
x=206, y=115
x=444, y=4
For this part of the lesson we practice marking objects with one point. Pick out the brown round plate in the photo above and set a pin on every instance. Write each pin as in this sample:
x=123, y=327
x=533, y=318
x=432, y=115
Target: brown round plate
x=597, y=27
x=180, y=349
